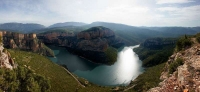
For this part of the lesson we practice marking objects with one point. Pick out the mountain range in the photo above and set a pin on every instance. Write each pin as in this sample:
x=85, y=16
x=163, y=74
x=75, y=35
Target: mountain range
x=130, y=34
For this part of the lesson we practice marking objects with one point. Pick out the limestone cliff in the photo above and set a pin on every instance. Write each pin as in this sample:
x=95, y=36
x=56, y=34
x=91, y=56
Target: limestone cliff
x=27, y=42
x=5, y=58
x=94, y=42
x=185, y=77
x=91, y=43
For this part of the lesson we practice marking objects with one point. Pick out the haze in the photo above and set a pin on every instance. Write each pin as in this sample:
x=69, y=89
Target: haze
x=130, y=12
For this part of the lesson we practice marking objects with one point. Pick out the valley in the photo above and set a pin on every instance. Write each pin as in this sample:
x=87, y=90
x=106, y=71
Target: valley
x=96, y=58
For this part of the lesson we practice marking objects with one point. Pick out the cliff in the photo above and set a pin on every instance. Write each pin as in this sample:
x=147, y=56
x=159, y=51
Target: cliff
x=182, y=71
x=28, y=42
x=94, y=43
x=5, y=58
x=156, y=43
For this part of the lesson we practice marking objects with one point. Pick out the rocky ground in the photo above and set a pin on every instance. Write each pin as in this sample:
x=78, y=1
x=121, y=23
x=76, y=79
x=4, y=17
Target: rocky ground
x=186, y=78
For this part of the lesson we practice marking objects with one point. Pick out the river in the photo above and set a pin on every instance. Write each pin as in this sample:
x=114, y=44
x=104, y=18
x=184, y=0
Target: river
x=126, y=68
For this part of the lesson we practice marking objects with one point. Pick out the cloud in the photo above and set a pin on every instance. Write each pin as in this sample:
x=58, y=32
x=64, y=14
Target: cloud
x=168, y=9
x=181, y=16
x=173, y=1
x=131, y=12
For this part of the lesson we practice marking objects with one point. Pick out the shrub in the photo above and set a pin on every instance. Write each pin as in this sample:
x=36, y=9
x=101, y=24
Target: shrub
x=198, y=39
x=182, y=43
x=173, y=66
x=23, y=79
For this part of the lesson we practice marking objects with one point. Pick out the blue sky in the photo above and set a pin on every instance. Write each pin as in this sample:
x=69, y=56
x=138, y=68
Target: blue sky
x=130, y=12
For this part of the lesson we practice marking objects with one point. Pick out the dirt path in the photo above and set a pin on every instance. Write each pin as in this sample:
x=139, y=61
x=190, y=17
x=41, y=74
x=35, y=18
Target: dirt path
x=129, y=88
x=74, y=77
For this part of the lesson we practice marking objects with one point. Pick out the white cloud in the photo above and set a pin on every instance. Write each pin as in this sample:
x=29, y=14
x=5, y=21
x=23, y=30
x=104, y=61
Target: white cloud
x=182, y=16
x=169, y=9
x=172, y=1
x=131, y=12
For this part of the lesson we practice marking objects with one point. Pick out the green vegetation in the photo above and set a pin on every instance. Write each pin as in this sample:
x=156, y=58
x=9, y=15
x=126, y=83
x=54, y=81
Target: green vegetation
x=198, y=39
x=149, y=79
x=22, y=79
x=60, y=29
x=173, y=66
x=152, y=57
x=111, y=54
x=197, y=36
x=183, y=42
x=96, y=28
x=1, y=39
x=59, y=79
x=46, y=51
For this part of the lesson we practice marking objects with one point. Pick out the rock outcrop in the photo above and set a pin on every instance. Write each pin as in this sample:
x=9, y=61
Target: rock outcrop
x=95, y=32
x=93, y=43
x=28, y=42
x=5, y=58
x=158, y=42
x=90, y=44
x=186, y=77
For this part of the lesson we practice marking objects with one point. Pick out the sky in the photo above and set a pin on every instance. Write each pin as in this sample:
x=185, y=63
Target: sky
x=131, y=12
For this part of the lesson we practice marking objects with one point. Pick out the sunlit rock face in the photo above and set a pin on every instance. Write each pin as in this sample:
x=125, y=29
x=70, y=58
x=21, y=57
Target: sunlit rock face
x=25, y=42
x=5, y=59
x=95, y=32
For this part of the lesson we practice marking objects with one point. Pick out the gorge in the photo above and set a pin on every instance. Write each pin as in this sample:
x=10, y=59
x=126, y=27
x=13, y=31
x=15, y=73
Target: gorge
x=125, y=69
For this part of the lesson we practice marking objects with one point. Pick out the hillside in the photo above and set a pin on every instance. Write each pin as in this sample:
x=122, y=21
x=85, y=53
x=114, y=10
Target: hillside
x=154, y=52
x=59, y=78
x=132, y=35
x=182, y=71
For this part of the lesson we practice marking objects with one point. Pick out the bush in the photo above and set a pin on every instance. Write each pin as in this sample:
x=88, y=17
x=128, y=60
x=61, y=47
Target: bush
x=152, y=57
x=173, y=66
x=23, y=79
x=198, y=39
x=183, y=43
x=149, y=79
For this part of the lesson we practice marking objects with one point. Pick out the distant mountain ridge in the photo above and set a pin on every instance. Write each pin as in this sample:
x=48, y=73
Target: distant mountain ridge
x=131, y=35
x=20, y=27
x=67, y=24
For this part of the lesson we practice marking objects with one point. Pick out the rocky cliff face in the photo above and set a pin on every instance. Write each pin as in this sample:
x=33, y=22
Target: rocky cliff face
x=91, y=44
x=186, y=77
x=5, y=58
x=95, y=32
x=94, y=42
x=158, y=42
x=55, y=37
x=27, y=42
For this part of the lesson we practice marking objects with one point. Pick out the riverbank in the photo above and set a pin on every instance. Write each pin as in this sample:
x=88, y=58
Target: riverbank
x=103, y=75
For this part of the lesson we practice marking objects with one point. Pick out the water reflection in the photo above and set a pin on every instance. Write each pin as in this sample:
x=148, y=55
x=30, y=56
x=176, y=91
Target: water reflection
x=127, y=67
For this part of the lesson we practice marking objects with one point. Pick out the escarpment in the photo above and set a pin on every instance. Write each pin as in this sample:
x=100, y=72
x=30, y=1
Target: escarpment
x=27, y=42
x=182, y=70
x=6, y=61
x=92, y=44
